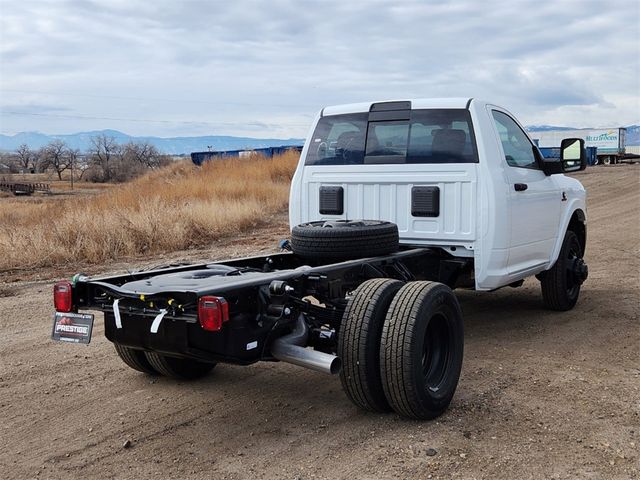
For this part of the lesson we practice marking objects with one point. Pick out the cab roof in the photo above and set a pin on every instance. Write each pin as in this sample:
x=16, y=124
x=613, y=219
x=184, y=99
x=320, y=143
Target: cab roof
x=418, y=103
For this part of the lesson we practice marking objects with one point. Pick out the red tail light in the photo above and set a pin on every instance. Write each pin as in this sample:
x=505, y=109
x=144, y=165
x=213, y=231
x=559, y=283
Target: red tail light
x=63, y=297
x=212, y=312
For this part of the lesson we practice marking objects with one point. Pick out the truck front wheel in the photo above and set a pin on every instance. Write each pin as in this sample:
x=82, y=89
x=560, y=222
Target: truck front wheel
x=561, y=284
x=359, y=343
x=421, y=349
x=180, y=368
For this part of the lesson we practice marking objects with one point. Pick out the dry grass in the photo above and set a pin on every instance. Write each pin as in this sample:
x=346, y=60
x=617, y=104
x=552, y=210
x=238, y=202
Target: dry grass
x=178, y=207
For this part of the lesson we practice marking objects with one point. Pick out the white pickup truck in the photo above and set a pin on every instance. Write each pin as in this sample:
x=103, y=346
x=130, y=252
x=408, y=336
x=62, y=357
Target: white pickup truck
x=457, y=174
x=393, y=205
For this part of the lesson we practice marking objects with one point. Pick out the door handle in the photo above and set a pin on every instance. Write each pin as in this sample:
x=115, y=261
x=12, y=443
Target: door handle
x=521, y=187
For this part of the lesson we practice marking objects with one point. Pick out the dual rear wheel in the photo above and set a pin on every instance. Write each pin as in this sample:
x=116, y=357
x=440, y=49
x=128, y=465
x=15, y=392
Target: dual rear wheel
x=153, y=363
x=402, y=347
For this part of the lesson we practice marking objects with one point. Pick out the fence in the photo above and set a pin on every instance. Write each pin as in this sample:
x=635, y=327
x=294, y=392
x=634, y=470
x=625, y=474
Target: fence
x=25, y=188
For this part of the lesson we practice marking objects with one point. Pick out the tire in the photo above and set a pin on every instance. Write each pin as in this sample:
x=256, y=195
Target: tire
x=561, y=284
x=180, y=368
x=421, y=350
x=344, y=239
x=136, y=359
x=359, y=343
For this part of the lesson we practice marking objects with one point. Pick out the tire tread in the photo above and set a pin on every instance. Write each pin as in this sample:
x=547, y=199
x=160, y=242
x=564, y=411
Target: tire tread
x=397, y=363
x=360, y=332
x=345, y=243
x=179, y=368
x=553, y=282
x=135, y=359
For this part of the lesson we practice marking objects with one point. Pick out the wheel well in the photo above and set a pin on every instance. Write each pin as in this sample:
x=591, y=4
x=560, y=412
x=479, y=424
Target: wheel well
x=577, y=224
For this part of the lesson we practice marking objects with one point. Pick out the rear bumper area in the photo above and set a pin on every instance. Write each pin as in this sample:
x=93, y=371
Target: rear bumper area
x=235, y=343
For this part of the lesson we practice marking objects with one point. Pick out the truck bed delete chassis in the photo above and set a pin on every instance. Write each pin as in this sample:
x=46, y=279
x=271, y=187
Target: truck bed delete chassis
x=267, y=297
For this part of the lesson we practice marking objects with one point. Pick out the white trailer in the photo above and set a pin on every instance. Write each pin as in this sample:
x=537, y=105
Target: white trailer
x=610, y=142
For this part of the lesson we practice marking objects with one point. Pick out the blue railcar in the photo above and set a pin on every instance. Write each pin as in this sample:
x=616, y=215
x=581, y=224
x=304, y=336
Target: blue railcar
x=199, y=158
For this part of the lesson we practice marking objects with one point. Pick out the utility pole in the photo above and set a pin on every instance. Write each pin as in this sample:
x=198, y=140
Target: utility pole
x=72, y=155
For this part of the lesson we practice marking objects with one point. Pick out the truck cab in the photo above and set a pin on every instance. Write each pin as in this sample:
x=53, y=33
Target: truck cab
x=458, y=174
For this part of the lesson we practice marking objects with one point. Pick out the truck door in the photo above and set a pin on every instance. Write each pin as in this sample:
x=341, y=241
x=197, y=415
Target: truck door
x=534, y=198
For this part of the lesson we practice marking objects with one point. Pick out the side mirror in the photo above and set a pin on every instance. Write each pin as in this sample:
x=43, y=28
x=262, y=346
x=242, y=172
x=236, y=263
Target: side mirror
x=550, y=166
x=573, y=155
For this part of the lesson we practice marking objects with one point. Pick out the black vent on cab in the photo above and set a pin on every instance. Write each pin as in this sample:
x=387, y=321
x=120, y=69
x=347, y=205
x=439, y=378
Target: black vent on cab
x=425, y=201
x=390, y=111
x=388, y=106
x=331, y=200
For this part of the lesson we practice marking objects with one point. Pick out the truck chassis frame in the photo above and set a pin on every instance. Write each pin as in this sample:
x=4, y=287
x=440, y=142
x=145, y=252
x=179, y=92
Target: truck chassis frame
x=266, y=296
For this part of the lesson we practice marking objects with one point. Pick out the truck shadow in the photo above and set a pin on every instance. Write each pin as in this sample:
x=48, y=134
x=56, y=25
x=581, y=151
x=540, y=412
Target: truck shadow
x=500, y=326
x=506, y=311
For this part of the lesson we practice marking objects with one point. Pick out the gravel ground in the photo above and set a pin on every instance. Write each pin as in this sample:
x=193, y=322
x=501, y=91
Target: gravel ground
x=542, y=394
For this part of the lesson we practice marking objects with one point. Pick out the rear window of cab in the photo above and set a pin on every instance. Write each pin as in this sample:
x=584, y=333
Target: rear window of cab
x=429, y=136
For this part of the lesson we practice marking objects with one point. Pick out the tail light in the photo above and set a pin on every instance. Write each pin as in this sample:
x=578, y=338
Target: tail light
x=63, y=297
x=212, y=312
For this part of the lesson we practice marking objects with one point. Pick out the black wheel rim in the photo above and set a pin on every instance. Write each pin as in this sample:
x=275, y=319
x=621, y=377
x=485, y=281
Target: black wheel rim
x=436, y=352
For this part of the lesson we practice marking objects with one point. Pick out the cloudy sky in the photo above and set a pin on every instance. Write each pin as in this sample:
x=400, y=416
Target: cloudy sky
x=264, y=68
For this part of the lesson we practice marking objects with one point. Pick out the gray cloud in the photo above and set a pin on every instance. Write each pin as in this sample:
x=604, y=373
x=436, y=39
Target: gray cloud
x=265, y=68
x=33, y=108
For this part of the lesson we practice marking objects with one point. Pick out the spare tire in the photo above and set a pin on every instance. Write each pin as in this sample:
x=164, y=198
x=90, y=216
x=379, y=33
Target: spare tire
x=344, y=239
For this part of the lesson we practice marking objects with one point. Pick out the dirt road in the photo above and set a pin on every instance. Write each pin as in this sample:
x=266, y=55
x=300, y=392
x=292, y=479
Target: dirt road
x=542, y=394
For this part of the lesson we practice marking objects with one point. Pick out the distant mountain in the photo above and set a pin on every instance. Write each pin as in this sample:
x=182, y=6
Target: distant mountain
x=544, y=128
x=186, y=145
x=173, y=145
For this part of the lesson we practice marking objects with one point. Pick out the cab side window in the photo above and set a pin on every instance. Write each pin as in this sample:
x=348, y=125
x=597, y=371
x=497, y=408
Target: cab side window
x=518, y=149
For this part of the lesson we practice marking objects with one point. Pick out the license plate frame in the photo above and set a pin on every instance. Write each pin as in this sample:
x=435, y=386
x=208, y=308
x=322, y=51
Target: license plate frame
x=72, y=327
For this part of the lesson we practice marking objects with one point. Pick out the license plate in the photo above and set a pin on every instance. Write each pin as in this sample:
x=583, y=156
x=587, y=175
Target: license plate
x=72, y=327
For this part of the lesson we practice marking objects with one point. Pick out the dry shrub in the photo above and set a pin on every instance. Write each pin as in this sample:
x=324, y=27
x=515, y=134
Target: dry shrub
x=177, y=207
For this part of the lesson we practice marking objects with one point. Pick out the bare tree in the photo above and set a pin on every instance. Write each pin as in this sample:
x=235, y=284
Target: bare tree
x=143, y=153
x=105, y=151
x=25, y=157
x=82, y=169
x=55, y=155
x=8, y=163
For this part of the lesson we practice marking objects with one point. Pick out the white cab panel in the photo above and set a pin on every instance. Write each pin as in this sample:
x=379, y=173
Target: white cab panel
x=375, y=192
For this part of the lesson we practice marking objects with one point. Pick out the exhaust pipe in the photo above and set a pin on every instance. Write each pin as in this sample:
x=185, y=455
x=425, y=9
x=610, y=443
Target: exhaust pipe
x=289, y=349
